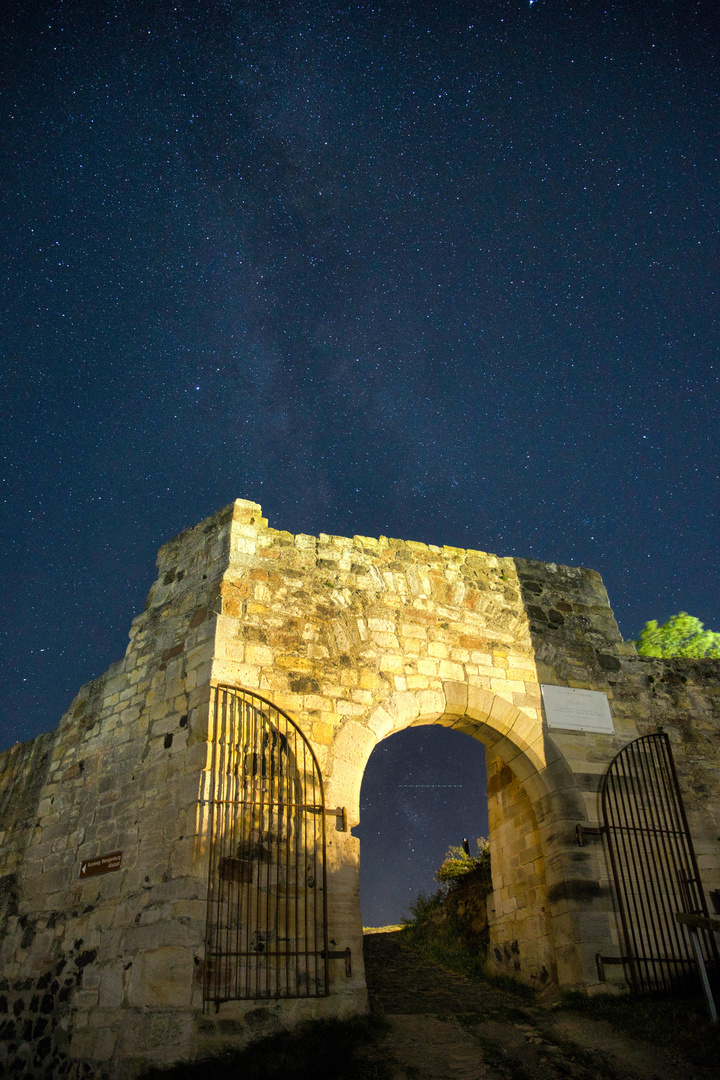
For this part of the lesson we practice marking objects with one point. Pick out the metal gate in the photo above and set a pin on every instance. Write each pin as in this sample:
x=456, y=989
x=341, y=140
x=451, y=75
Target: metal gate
x=266, y=931
x=654, y=866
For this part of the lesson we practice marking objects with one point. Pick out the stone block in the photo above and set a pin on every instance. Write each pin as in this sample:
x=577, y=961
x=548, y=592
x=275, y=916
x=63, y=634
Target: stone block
x=159, y=1036
x=479, y=703
x=450, y=670
x=502, y=714
x=104, y=1044
x=456, y=698
x=392, y=664
x=258, y=654
x=322, y=733
x=438, y=649
x=380, y=722
x=428, y=667
x=317, y=703
x=161, y=977
x=81, y=1043
x=350, y=708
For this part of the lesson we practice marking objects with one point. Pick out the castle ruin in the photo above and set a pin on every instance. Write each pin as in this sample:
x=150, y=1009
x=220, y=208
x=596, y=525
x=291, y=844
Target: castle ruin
x=177, y=867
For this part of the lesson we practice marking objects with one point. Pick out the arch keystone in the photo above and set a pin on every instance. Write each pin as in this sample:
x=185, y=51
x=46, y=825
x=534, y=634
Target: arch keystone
x=404, y=706
x=431, y=704
x=456, y=698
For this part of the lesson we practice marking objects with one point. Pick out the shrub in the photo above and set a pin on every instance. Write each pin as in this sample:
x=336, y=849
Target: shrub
x=458, y=863
x=425, y=907
x=450, y=925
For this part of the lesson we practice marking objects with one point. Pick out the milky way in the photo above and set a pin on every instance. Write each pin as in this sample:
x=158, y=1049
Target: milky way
x=441, y=271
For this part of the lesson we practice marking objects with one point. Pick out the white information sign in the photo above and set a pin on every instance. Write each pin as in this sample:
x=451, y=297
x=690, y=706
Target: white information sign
x=577, y=710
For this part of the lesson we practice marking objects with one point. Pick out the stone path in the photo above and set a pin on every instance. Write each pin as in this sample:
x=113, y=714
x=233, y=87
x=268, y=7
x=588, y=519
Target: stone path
x=447, y=1027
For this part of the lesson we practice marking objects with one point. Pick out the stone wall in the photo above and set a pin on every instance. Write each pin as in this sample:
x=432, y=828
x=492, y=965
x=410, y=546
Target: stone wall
x=577, y=643
x=521, y=938
x=123, y=773
x=355, y=638
x=682, y=697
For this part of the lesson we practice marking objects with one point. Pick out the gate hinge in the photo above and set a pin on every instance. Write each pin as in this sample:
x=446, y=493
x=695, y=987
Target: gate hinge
x=340, y=954
x=341, y=814
x=581, y=831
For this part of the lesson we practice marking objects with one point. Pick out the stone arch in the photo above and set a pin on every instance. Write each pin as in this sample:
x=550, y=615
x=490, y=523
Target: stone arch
x=543, y=782
x=512, y=735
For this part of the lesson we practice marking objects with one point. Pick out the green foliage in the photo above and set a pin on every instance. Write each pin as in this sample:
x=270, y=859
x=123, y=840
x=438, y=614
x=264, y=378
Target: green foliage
x=315, y=1050
x=458, y=863
x=441, y=926
x=681, y=635
x=425, y=907
x=438, y=935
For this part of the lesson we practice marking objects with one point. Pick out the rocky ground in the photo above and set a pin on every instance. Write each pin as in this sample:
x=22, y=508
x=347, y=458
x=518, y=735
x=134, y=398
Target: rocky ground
x=447, y=1027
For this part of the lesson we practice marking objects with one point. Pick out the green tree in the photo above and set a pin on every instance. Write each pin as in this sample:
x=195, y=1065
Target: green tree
x=681, y=635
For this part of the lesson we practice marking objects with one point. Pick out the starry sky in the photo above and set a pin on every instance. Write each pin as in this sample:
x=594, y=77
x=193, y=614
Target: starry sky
x=424, y=789
x=439, y=270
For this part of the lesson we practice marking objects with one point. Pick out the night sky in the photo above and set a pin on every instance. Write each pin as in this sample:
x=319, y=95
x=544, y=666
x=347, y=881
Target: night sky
x=424, y=789
x=441, y=271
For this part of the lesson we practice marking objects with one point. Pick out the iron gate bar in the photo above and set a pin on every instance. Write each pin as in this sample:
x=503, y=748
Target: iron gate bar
x=656, y=931
x=295, y=952
x=650, y=855
x=653, y=863
x=293, y=806
x=267, y=856
x=686, y=902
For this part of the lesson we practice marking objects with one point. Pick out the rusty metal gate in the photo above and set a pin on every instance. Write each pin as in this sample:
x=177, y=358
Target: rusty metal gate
x=266, y=931
x=654, y=866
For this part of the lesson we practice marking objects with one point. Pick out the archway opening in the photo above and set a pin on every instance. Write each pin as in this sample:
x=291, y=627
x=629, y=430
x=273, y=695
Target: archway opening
x=424, y=788
x=397, y=861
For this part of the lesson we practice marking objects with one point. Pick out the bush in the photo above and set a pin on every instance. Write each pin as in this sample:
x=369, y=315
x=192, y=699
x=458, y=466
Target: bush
x=450, y=925
x=425, y=907
x=458, y=863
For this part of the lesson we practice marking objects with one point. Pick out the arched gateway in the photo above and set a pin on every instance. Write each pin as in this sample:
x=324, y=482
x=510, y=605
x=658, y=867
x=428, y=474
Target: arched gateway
x=177, y=869
x=534, y=805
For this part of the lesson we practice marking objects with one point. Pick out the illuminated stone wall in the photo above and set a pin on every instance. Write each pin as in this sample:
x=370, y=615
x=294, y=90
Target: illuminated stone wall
x=521, y=936
x=355, y=638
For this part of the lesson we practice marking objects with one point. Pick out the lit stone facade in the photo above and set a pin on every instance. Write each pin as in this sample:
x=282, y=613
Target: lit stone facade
x=353, y=639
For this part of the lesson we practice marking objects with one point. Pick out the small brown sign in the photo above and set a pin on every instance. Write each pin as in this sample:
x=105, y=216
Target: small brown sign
x=102, y=864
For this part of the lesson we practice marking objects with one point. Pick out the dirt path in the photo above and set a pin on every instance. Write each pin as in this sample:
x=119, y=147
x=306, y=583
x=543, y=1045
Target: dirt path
x=446, y=1027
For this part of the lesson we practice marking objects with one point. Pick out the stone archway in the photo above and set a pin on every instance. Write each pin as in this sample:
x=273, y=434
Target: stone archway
x=352, y=638
x=541, y=889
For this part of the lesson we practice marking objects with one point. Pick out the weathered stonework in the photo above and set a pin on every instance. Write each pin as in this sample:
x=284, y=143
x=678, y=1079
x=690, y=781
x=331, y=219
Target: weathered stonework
x=354, y=639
